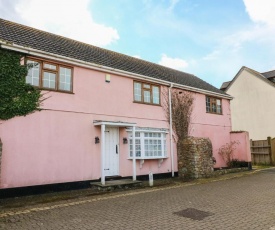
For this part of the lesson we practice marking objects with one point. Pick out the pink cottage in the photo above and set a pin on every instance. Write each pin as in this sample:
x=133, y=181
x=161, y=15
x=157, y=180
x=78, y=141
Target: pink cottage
x=100, y=103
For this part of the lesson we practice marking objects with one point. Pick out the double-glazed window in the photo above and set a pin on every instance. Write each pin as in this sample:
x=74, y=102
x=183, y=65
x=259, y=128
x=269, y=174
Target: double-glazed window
x=48, y=75
x=213, y=105
x=149, y=145
x=146, y=93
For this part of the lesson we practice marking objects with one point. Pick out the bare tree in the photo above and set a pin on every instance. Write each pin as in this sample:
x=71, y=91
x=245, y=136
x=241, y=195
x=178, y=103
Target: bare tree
x=181, y=107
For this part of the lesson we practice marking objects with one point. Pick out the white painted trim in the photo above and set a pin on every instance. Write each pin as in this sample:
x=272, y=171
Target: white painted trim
x=134, y=153
x=102, y=154
x=112, y=124
x=147, y=130
x=56, y=57
x=160, y=161
x=141, y=162
x=142, y=139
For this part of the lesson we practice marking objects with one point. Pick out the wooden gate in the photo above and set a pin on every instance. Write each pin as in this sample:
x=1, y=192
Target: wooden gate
x=263, y=151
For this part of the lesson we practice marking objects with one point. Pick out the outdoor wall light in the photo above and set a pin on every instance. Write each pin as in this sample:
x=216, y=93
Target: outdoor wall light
x=125, y=140
x=97, y=140
x=107, y=78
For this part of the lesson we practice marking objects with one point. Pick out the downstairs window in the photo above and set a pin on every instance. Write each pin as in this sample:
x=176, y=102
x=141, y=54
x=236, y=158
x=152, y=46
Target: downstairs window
x=149, y=144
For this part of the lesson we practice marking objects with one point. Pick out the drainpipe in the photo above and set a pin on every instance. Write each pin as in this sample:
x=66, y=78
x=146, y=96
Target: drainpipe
x=171, y=131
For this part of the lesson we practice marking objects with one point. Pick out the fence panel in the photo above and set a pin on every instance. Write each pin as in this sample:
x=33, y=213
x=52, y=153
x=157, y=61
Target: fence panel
x=272, y=143
x=261, y=151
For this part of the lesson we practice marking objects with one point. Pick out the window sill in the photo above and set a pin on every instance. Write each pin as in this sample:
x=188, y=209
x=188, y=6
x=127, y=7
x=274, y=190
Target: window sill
x=56, y=91
x=214, y=113
x=53, y=90
x=143, y=103
x=141, y=160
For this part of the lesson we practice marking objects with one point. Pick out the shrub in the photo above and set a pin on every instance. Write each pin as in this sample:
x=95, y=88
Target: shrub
x=226, y=151
x=235, y=163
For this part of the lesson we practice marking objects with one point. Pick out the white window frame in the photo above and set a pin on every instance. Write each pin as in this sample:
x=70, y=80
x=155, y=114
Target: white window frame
x=141, y=137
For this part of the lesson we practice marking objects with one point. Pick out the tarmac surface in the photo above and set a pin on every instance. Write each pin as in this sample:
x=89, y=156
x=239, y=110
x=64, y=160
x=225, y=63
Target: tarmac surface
x=235, y=201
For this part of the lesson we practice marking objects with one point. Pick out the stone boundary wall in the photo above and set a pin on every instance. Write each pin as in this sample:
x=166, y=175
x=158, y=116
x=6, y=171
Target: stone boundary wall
x=226, y=171
x=195, y=158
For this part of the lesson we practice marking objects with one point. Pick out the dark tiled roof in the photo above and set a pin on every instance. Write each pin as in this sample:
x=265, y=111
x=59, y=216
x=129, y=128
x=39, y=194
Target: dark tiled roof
x=44, y=41
x=269, y=74
x=225, y=85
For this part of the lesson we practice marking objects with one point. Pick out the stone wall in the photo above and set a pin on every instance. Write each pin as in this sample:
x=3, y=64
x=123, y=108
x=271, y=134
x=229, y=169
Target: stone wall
x=195, y=158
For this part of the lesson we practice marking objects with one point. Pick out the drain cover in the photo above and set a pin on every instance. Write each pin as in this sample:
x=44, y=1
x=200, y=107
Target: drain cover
x=193, y=214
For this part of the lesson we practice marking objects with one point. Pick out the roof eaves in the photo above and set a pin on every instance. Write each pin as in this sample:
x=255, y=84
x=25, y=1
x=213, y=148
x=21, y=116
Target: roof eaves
x=39, y=53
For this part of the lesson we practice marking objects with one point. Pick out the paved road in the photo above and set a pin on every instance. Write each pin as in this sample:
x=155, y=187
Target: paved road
x=246, y=202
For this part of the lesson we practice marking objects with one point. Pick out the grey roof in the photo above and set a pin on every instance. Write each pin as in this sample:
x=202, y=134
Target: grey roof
x=225, y=85
x=40, y=40
x=269, y=74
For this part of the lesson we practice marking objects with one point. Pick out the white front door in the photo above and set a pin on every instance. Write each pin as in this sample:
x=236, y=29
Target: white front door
x=111, y=151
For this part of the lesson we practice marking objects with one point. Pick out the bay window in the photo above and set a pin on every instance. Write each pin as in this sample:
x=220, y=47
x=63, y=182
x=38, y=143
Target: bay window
x=149, y=144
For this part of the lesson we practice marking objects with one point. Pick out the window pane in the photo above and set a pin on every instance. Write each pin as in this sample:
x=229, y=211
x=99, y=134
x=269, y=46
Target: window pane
x=137, y=134
x=155, y=95
x=219, y=107
x=213, y=105
x=147, y=96
x=207, y=104
x=137, y=91
x=214, y=108
x=137, y=145
x=33, y=73
x=49, y=80
x=146, y=86
x=50, y=66
x=65, y=79
x=149, y=145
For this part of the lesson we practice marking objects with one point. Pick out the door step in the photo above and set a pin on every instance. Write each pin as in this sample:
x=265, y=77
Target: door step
x=116, y=184
x=115, y=177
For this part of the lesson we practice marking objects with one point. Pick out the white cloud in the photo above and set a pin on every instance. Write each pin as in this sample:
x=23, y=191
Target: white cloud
x=175, y=63
x=173, y=3
x=69, y=18
x=261, y=11
x=7, y=10
x=212, y=56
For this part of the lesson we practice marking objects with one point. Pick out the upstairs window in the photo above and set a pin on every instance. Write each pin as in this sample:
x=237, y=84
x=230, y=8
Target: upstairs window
x=48, y=75
x=146, y=93
x=213, y=105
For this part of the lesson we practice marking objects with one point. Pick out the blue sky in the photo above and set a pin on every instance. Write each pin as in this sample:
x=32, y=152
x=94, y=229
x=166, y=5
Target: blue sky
x=211, y=39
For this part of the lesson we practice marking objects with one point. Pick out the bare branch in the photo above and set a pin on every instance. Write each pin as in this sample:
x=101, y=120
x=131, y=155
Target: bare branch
x=182, y=107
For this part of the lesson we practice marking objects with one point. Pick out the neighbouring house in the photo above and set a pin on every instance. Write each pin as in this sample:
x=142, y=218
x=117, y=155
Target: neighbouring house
x=100, y=103
x=252, y=108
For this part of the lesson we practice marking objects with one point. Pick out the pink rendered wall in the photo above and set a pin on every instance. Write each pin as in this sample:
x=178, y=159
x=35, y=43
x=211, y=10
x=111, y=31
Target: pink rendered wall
x=57, y=144
x=214, y=126
x=242, y=151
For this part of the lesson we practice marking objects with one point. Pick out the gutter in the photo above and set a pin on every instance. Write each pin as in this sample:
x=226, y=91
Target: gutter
x=171, y=131
x=72, y=61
